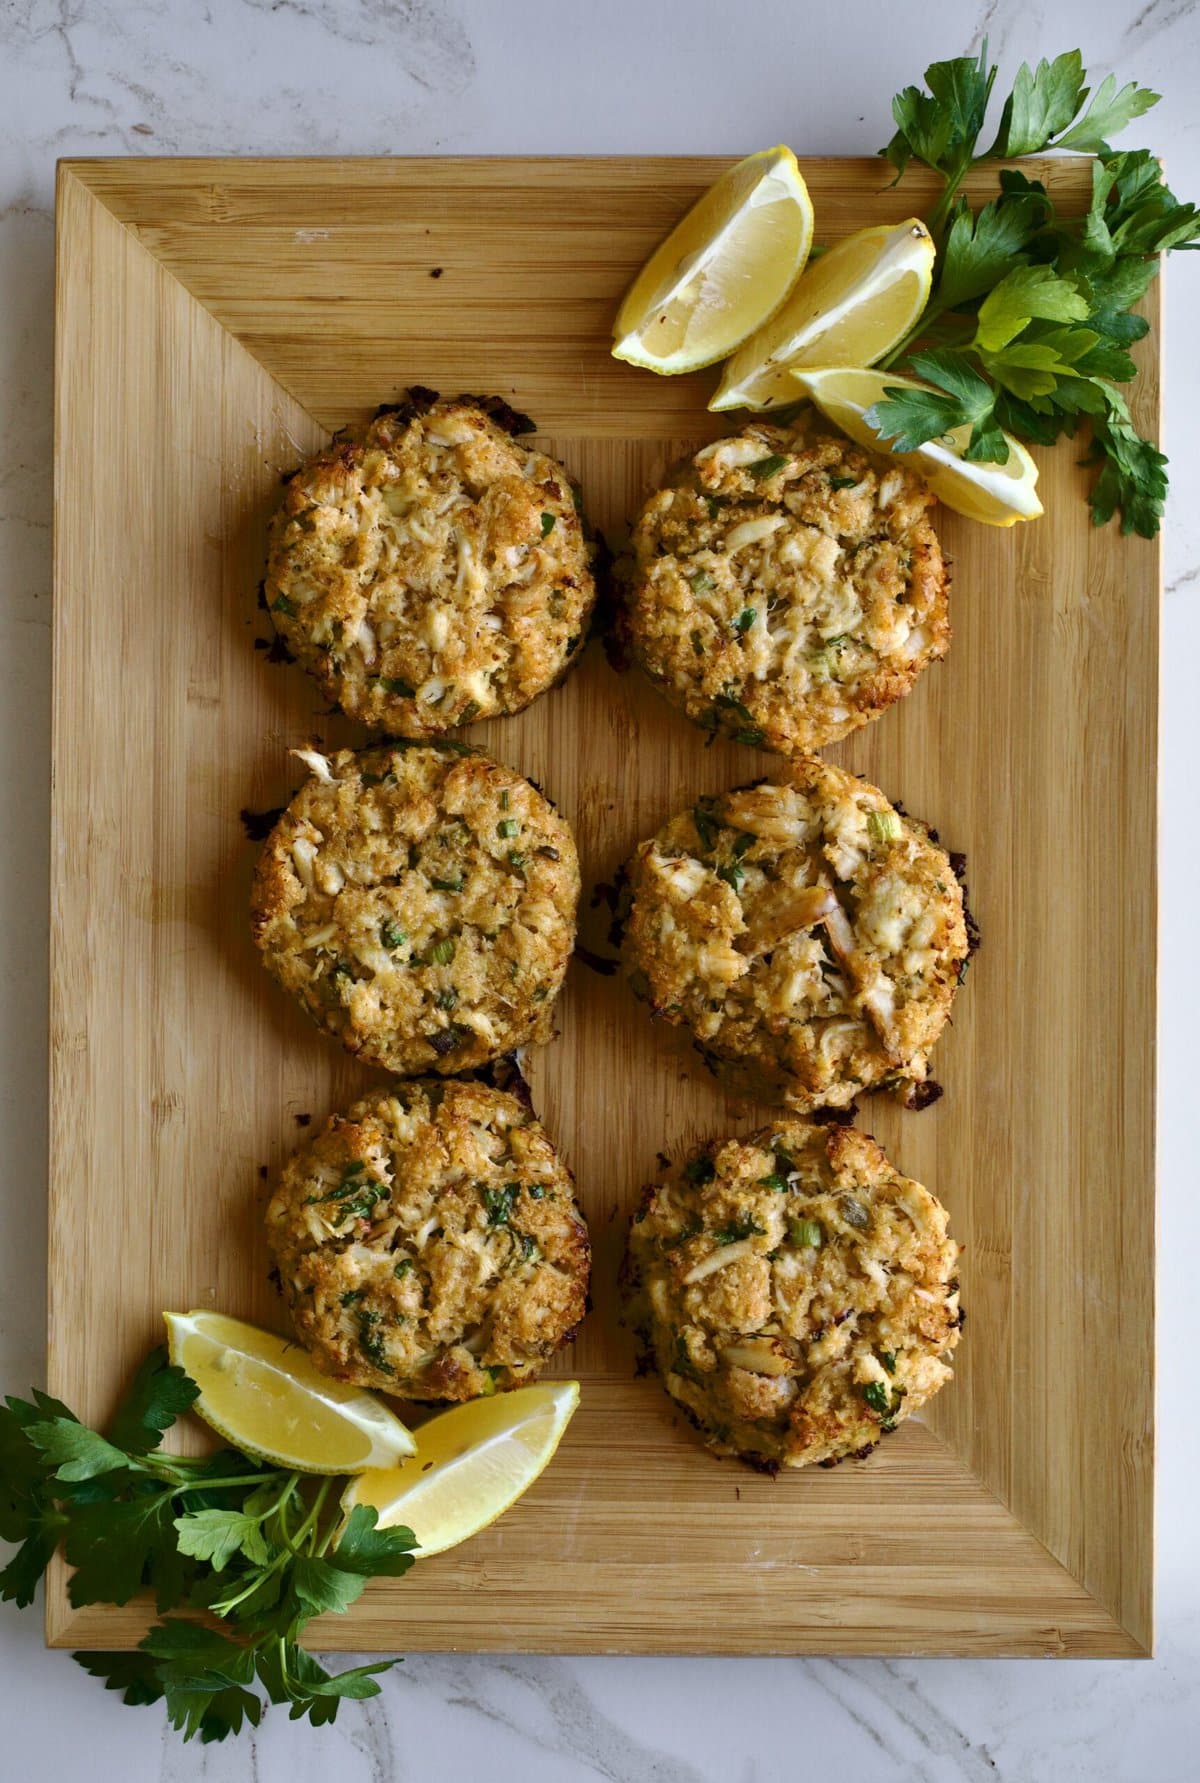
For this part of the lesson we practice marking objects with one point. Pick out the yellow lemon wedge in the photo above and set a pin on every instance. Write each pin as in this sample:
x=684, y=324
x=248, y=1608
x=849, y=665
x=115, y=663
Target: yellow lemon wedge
x=723, y=271
x=996, y=494
x=851, y=307
x=471, y=1464
x=263, y=1395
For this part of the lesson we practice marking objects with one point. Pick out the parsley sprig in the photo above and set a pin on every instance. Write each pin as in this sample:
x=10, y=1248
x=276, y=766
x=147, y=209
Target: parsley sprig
x=1029, y=323
x=261, y=1550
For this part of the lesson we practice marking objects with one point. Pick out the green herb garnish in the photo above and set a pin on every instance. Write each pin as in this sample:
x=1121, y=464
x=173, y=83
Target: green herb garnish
x=391, y=935
x=745, y=620
x=762, y=468
x=283, y=605
x=743, y=1226
x=844, y=482
x=508, y=826
x=448, y=885
x=888, y=1358
x=700, y=1170
x=884, y=826
x=498, y=1203
x=548, y=524
x=440, y=954
x=394, y=684
x=1030, y=319
x=259, y=1548
x=402, y=1268
x=691, y=1230
x=700, y=582
x=878, y=1396
x=707, y=827
x=371, y=1342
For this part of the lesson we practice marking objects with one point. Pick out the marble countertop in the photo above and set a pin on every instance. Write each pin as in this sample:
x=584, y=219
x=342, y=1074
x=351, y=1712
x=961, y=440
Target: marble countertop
x=112, y=77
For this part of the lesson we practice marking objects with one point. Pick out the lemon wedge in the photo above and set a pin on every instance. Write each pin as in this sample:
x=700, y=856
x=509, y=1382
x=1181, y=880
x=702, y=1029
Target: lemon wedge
x=997, y=494
x=723, y=271
x=471, y=1464
x=851, y=307
x=263, y=1395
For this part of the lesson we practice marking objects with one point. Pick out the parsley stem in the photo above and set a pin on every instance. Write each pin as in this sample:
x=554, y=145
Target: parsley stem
x=313, y=1515
x=240, y=1479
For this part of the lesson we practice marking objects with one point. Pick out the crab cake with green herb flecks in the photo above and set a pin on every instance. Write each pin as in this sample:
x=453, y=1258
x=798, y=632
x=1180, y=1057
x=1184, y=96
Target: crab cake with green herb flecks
x=429, y=1244
x=786, y=589
x=431, y=570
x=419, y=900
x=809, y=936
x=797, y=1295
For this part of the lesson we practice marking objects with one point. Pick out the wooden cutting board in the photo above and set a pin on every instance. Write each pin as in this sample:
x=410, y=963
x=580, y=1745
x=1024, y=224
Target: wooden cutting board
x=216, y=319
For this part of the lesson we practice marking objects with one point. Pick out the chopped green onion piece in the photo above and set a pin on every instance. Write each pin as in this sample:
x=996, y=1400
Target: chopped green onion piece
x=508, y=826
x=700, y=582
x=766, y=467
x=884, y=825
x=441, y=953
x=806, y=1233
x=745, y=620
x=391, y=934
x=548, y=525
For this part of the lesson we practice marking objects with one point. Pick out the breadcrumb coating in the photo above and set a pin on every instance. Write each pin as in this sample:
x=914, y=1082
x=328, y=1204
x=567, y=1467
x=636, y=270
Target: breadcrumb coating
x=786, y=589
x=429, y=1244
x=795, y=1292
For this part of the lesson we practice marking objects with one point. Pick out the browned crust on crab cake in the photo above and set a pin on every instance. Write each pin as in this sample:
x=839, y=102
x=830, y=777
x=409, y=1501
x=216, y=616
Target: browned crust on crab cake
x=431, y=570
x=796, y=1294
x=419, y=900
x=810, y=937
x=429, y=1244
x=786, y=589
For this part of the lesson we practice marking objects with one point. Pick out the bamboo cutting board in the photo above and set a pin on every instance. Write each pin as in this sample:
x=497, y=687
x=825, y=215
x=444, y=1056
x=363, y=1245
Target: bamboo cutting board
x=216, y=319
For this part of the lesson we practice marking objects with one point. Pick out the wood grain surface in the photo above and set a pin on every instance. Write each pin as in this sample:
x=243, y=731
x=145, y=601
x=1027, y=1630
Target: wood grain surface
x=215, y=320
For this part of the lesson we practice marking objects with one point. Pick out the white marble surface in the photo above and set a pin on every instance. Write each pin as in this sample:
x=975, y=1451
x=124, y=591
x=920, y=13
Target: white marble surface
x=416, y=76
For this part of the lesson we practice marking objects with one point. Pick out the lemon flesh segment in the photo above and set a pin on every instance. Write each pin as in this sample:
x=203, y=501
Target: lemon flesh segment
x=722, y=271
x=996, y=494
x=262, y=1394
x=851, y=307
x=471, y=1464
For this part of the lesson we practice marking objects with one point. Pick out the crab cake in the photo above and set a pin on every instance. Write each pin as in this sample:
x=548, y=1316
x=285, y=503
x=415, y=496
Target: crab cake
x=429, y=1244
x=419, y=900
x=810, y=937
x=787, y=589
x=431, y=570
x=796, y=1294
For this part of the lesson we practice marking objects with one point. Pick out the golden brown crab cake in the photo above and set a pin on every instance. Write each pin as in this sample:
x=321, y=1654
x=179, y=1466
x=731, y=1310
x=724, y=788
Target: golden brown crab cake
x=786, y=589
x=431, y=570
x=429, y=1244
x=809, y=936
x=797, y=1295
x=419, y=900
